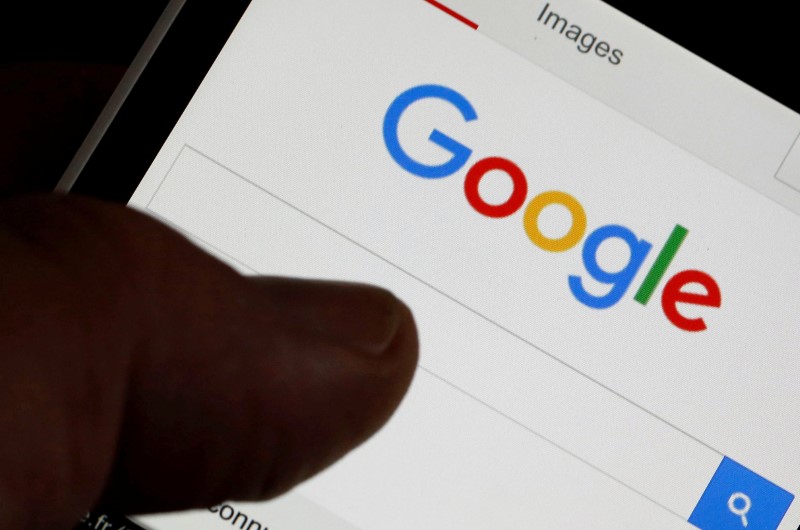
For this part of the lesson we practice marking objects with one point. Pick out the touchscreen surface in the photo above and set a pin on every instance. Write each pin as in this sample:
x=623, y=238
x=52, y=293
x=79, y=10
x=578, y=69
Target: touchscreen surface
x=596, y=230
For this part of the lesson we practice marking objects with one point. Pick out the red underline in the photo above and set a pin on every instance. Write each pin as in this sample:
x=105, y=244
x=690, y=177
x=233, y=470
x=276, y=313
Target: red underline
x=453, y=14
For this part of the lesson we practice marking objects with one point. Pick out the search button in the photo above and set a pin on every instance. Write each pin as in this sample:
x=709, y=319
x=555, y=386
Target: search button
x=736, y=498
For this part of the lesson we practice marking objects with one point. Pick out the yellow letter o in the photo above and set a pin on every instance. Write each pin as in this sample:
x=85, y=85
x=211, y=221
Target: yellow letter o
x=572, y=237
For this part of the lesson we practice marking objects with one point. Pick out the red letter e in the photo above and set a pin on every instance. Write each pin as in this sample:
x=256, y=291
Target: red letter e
x=673, y=294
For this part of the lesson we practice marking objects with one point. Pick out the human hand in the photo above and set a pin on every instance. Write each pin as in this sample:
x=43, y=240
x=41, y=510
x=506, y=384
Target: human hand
x=140, y=373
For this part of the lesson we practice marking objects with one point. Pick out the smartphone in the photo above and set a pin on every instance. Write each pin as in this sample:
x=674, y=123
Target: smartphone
x=596, y=230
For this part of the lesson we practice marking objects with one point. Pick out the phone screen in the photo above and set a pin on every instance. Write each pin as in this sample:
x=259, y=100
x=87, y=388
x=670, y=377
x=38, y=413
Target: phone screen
x=596, y=230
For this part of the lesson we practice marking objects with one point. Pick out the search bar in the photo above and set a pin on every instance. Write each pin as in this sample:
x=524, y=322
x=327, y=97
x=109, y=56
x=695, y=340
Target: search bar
x=473, y=355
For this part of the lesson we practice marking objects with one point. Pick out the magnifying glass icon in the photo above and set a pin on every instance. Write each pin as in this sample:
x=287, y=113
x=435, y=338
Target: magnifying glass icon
x=739, y=504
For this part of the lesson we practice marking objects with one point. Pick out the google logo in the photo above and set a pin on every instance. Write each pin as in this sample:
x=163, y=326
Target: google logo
x=619, y=281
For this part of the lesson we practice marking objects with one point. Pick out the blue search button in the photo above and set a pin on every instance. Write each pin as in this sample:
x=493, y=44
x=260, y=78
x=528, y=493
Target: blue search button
x=736, y=498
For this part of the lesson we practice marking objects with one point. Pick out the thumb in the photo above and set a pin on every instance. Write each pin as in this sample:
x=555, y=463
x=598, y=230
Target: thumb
x=141, y=373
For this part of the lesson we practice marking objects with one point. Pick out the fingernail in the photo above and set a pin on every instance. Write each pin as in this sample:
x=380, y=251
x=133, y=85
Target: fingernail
x=357, y=316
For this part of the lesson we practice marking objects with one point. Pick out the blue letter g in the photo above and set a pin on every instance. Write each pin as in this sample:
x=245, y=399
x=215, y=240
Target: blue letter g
x=460, y=153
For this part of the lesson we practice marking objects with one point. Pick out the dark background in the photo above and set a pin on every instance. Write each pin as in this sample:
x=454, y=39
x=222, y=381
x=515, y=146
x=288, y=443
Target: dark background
x=752, y=46
x=80, y=30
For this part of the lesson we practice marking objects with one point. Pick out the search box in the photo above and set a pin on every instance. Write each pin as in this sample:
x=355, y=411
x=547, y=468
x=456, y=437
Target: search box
x=467, y=352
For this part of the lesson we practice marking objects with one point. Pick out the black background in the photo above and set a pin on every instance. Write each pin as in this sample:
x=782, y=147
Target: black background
x=90, y=31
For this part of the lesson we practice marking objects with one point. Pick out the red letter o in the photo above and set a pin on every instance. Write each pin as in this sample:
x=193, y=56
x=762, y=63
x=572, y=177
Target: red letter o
x=514, y=202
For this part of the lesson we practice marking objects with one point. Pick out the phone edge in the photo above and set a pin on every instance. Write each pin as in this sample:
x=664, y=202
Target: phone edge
x=118, y=97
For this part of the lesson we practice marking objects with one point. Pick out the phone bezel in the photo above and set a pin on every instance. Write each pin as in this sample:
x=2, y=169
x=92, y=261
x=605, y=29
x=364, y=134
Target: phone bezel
x=135, y=134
